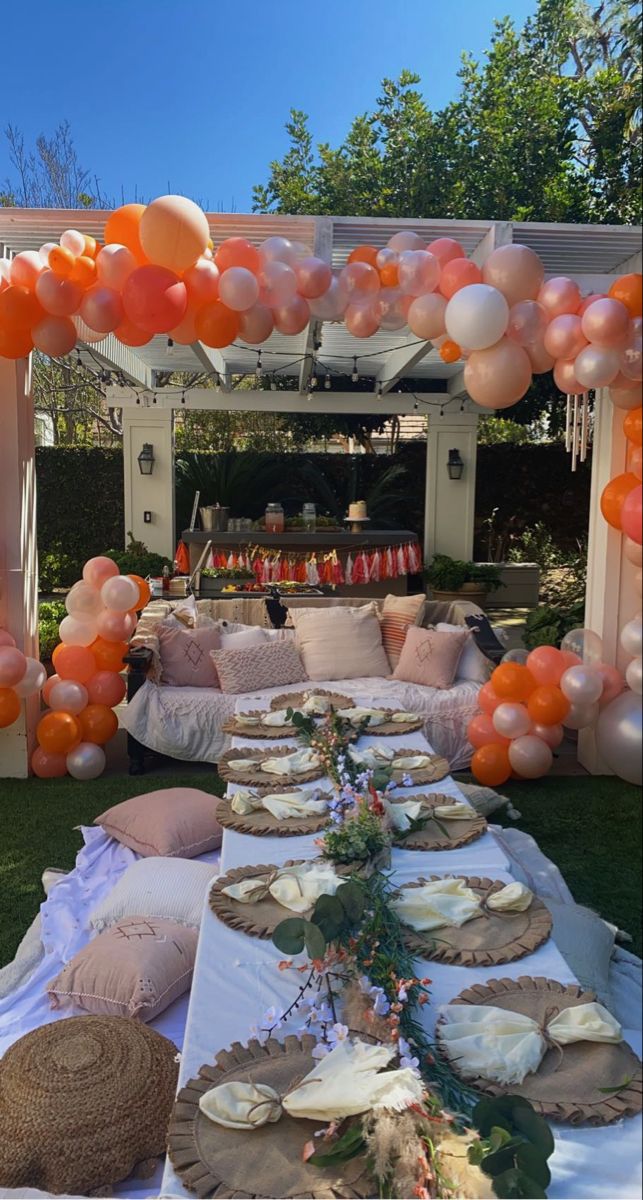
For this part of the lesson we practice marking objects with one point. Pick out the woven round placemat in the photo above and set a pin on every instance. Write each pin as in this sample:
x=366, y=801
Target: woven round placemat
x=235, y=729
x=438, y=768
x=432, y=837
x=486, y=941
x=265, y=1162
x=257, y=920
x=297, y=699
x=262, y=823
x=260, y=780
x=392, y=728
x=567, y=1085
x=83, y=1103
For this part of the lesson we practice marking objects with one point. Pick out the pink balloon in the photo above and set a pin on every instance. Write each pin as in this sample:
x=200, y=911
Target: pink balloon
x=256, y=324
x=633, y=552
x=48, y=688
x=605, y=323
x=54, y=336
x=97, y=570
x=361, y=319
x=25, y=268
x=625, y=398
x=516, y=271
x=547, y=665
x=570, y=659
x=360, y=279
x=540, y=360
x=48, y=766
x=278, y=283
x=238, y=288
x=6, y=639
x=551, y=734
x=106, y=687
x=636, y=462
x=426, y=316
x=119, y=593
x=631, y=360
x=596, y=367
x=565, y=377
x=613, y=683
x=564, y=336
x=445, y=250
x=115, y=626
x=511, y=720
x=114, y=264
x=406, y=240
x=418, y=272
x=481, y=732
x=68, y=696
x=390, y=309
x=498, y=376
x=202, y=282
x=590, y=300
x=332, y=305
x=102, y=308
x=154, y=299
x=632, y=515
x=59, y=297
x=559, y=295
x=530, y=757
x=313, y=277
x=527, y=323
x=292, y=317
x=13, y=665
x=278, y=249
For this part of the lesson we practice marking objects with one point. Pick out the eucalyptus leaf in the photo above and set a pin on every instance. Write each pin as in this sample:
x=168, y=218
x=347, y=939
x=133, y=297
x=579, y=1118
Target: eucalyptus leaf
x=530, y=1160
x=328, y=914
x=381, y=778
x=315, y=940
x=500, y=1160
x=348, y=1146
x=535, y=1129
x=514, y=1183
x=289, y=935
x=352, y=899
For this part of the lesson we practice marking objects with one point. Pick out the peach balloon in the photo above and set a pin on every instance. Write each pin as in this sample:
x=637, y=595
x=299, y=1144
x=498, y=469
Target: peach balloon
x=481, y=732
x=547, y=665
x=360, y=279
x=13, y=665
x=185, y=332
x=238, y=288
x=114, y=264
x=614, y=496
x=48, y=687
x=552, y=735
x=60, y=297
x=202, y=282
x=25, y=268
x=58, y=732
x=565, y=377
x=313, y=277
x=54, y=336
x=102, y=308
x=613, y=683
x=6, y=638
x=426, y=316
x=237, y=252
x=564, y=337
x=625, y=398
x=498, y=376
x=361, y=319
x=527, y=323
x=217, y=325
x=541, y=361
x=516, y=271
x=97, y=570
x=605, y=323
x=154, y=299
x=632, y=515
x=629, y=291
x=48, y=766
x=293, y=317
x=256, y=325
x=174, y=232
x=106, y=687
x=559, y=295
x=488, y=699
x=458, y=273
x=445, y=250
x=74, y=662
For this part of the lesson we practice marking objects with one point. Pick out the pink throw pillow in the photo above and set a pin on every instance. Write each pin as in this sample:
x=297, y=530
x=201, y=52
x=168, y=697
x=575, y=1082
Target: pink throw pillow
x=176, y=822
x=185, y=656
x=272, y=664
x=430, y=658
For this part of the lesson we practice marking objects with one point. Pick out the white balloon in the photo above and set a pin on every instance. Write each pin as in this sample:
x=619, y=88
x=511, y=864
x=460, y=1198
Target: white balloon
x=530, y=757
x=477, y=316
x=632, y=637
x=87, y=761
x=77, y=631
x=33, y=679
x=119, y=593
x=68, y=696
x=581, y=716
x=633, y=675
x=582, y=685
x=619, y=737
x=83, y=601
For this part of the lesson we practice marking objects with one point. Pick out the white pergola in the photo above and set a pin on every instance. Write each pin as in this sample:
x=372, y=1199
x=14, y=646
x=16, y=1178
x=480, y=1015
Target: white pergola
x=594, y=255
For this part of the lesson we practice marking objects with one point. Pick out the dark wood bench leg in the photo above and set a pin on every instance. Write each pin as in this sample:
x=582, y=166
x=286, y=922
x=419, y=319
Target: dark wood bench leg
x=139, y=662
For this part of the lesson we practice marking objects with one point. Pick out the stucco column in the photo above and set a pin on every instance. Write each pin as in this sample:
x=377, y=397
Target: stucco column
x=150, y=494
x=18, y=548
x=450, y=503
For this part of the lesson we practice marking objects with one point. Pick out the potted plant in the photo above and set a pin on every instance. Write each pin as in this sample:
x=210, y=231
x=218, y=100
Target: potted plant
x=453, y=579
x=214, y=579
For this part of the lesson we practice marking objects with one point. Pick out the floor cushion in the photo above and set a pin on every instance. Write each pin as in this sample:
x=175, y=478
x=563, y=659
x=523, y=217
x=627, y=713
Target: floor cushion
x=430, y=658
x=173, y=888
x=340, y=643
x=172, y=822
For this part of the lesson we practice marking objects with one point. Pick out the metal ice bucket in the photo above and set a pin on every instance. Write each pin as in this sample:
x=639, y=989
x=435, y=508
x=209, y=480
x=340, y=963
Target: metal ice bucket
x=214, y=518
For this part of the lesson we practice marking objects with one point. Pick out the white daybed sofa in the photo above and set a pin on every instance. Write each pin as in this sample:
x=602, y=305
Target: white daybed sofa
x=186, y=723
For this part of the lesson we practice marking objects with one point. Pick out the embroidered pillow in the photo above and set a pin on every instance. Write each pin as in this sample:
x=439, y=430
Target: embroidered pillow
x=135, y=969
x=340, y=643
x=272, y=664
x=173, y=822
x=173, y=888
x=185, y=656
x=473, y=663
x=397, y=615
x=430, y=658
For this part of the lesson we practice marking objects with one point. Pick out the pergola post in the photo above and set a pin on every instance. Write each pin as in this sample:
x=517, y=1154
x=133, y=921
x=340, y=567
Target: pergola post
x=149, y=499
x=18, y=548
x=449, y=509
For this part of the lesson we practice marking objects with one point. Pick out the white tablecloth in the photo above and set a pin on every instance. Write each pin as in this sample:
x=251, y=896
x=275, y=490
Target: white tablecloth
x=236, y=980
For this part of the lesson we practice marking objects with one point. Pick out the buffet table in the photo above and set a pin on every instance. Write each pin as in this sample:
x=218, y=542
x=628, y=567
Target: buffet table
x=236, y=980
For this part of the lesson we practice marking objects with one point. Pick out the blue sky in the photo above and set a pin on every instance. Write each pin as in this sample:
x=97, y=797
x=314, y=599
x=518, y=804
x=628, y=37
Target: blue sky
x=192, y=95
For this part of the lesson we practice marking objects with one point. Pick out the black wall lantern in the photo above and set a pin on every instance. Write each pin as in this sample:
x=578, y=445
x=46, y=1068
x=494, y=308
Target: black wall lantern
x=455, y=465
x=146, y=459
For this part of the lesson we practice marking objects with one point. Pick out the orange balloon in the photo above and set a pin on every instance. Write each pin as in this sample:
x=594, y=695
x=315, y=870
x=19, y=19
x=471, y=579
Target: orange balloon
x=84, y=271
x=98, y=724
x=450, y=351
x=367, y=254
x=108, y=656
x=490, y=765
x=488, y=700
x=389, y=275
x=547, y=705
x=512, y=681
x=237, y=252
x=130, y=335
x=19, y=308
x=74, y=662
x=15, y=343
x=614, y=497
x=217, y=325
x=61, y=261
x=143, y=591
x=91, y=246
x=9, y=707
x=456, y=274
x=633, y=426
x=629, y=290
x=122, y=227
x=58, y=732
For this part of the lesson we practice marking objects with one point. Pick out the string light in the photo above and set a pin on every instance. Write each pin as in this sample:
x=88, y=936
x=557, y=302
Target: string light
x=355, y=372
x=327, y=382
x=259, y=366
x=312, y=382
x=170, y=346
x=273, y=384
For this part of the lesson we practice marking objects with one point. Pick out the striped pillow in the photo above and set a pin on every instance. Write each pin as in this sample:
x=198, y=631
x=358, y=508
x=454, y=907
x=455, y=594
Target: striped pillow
x=397, y=615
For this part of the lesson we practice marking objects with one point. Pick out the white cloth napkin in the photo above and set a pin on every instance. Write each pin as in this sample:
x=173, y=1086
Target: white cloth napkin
x=314, y=705
x=450, y=902
x=377, y=716
x=296, y=888
x=249, y=719
x=297, y=763
x=405, y=718
x=372, y=756
x=281, y=804
x=346, y=1082
x=402, y=812
x=506, y=1046
x=411, y=762
x=454, y=812
x=277, y=717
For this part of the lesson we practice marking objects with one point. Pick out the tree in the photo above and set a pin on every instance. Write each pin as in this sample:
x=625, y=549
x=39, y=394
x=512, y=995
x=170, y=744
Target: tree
x=50, y=176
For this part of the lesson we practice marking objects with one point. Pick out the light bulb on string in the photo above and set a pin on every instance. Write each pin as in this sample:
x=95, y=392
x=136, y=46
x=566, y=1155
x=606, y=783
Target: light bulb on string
x=273, y=384
x=170, y=346
x=259, y=367
x=355, y=374
x=327, y=381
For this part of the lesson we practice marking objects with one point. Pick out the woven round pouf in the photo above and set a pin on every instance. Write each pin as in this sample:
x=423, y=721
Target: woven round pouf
x=84, y=1102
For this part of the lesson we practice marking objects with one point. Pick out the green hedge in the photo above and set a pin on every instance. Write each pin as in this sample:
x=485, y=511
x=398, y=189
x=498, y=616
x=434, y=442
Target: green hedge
x=80, y=509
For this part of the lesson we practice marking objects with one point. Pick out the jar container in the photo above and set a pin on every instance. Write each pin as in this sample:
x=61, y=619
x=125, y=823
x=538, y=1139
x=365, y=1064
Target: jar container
x=275, y=518
x=309, y=515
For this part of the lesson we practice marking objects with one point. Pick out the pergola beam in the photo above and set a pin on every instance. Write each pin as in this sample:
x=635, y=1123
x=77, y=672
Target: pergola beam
x=213, y=361
x=400, y=363
x=322, y=248
x=336, y=403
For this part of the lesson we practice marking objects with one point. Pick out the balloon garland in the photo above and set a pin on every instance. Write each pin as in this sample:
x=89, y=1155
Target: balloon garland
x=101, y=618
x=20, y=677
x=157, y=272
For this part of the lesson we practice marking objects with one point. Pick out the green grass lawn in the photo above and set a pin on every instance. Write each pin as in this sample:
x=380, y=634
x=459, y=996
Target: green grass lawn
x=590, y=827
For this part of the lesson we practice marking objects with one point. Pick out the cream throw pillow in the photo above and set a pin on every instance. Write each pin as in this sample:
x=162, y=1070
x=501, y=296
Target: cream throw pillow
x=174, y=888
x=340, y=643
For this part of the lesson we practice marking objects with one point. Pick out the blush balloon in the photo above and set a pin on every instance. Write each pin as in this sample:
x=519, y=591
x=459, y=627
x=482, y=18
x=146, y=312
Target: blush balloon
x=98, y=570
x=419, y=273
x=59, y=297
x=48, y=766
x=516, y=271
x=632, y=515
x=238, y=288
x=361, y=319
x=527, y=322
x=445, y=250
x=106, y=687
x=547, y=665
x=54, y=336
x=613, y=683
x=565, y=377
x=552, y=735
x=313, y=277
x=426, y=316
x=530, y=757
x=498, y=376
x=596, y=367
x=605, y=323
x=68, y=696
x=564, y=337
x=488, y=699
x=256, y=324
x=6, y=639
x=541, y=361
x=481, y=732
x=13, y=665
x=115, y=626
x=114, y=264
x=278, y=283
x=102, y=308
x=293, y=317
x=202, y=282
x=25, y=268
x=559, y=295
x=185, y=332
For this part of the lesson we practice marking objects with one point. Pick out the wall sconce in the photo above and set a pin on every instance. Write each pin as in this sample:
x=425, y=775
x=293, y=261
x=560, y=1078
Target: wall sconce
x=145, y=459
x=455, y=465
